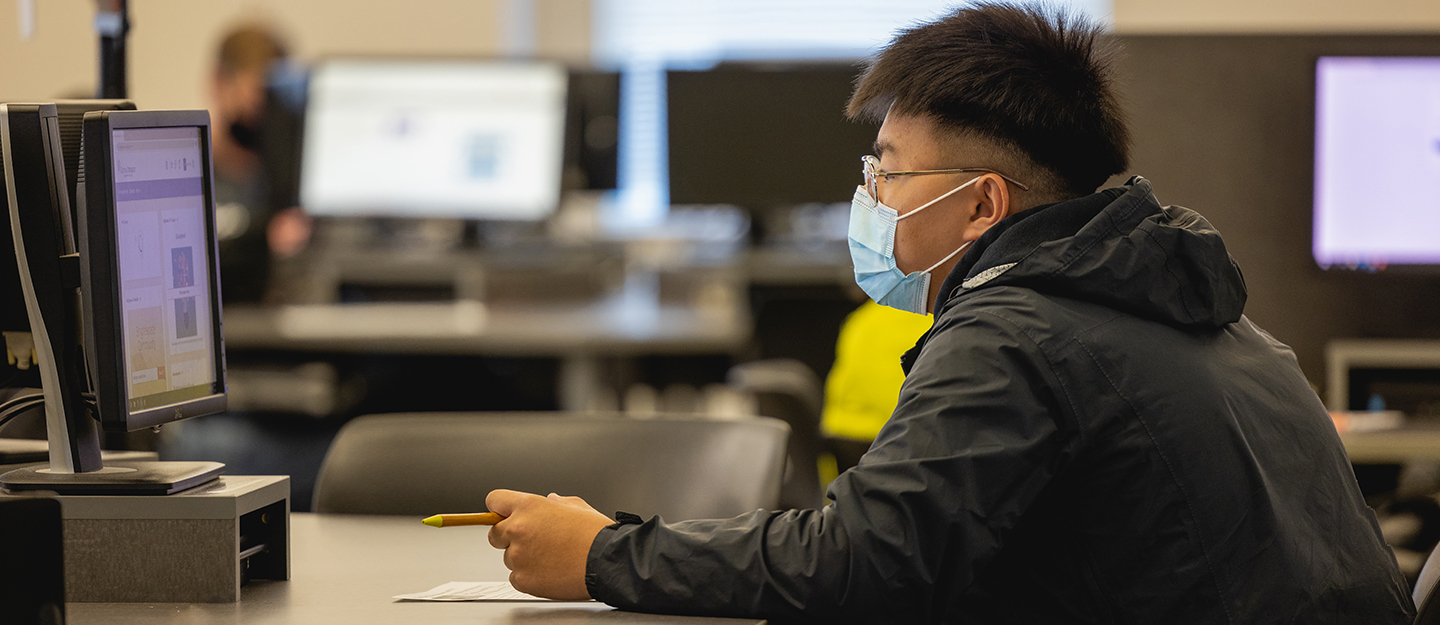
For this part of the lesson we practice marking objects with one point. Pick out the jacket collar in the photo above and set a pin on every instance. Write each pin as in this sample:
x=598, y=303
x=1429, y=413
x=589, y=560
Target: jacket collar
x=988, y=257
x=1118, y=248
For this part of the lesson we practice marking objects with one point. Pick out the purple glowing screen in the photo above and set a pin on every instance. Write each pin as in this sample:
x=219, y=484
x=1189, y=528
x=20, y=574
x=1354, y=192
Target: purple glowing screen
x=1377, y=161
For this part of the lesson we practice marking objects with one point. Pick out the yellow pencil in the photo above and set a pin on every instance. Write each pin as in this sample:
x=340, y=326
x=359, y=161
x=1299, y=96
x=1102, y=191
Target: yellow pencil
x=454, y=520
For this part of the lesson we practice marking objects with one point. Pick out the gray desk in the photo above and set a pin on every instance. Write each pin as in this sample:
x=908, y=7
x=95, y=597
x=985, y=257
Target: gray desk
x=825, y=263
x=1342, y=355
x=1413, y=442
x=624, y=324
x=344, y=569
x=611, y=327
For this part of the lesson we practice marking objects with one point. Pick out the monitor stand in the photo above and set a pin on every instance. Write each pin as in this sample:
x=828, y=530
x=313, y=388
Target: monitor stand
x=115, y=478
x=76, y=467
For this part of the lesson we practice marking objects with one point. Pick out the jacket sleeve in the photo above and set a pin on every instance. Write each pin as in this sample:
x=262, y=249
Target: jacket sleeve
x=975, y=438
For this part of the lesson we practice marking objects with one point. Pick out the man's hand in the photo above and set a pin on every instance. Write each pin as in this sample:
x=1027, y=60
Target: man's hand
x=546, y=541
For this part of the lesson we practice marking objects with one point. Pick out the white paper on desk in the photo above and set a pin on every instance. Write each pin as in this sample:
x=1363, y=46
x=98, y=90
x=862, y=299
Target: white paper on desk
x=471, y=591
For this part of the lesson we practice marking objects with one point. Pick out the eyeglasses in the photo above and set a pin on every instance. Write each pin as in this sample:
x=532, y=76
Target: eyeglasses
x=873, y=171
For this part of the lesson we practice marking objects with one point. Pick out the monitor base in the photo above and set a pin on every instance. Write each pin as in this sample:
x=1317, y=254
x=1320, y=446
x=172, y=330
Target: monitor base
x=117, y=478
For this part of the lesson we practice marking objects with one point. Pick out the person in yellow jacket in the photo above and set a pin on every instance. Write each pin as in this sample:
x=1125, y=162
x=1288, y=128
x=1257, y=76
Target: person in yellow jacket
x=864, y=384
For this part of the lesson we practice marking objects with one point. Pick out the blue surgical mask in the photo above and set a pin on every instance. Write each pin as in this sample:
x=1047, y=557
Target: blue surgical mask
x=872, y=249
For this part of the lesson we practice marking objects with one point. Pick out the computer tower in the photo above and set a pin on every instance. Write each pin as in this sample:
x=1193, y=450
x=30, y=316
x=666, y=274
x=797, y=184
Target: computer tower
x=32, y=571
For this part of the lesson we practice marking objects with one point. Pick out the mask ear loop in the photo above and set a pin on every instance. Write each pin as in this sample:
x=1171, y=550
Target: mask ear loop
x=932, y=203
x=952, y=255
x=947, y=194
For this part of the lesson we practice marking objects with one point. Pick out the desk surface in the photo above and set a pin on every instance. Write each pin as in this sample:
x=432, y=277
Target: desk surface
x=345, y=569
x=611, y=327
x=1415, y=441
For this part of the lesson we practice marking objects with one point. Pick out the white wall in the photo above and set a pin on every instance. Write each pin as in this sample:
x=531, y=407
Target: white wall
x=53, y=62
x=1242, y=16
x=172, y=42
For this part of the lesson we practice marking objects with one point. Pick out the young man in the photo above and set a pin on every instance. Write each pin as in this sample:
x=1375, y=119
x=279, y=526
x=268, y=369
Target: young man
x=1090, y=433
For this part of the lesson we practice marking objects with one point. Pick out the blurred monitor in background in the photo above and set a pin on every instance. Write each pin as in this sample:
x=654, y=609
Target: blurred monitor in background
x=592, y=130
x=281, y=130
x=764, y=136
x=249, y=229
x=1377, y=160
x=460, y=139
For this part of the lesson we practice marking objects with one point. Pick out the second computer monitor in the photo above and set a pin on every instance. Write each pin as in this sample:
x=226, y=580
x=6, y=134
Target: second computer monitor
x=764, y=136
x=149, y=280
x=481, y=140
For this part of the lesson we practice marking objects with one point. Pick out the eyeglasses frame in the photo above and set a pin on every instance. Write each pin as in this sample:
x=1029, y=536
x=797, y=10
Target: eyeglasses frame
x=872, y=171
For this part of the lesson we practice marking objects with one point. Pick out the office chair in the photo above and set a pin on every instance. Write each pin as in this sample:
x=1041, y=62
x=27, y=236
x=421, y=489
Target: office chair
x=679, y=468
x=789, y=390
x=1427, y=604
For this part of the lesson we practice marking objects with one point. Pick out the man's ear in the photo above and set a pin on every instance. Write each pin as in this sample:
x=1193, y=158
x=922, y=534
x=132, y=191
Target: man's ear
x=992, y=204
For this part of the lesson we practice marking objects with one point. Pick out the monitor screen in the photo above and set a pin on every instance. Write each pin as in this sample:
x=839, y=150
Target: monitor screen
x=1377, y=161
x=164, y=281
x=764, y=136
x=457, y=139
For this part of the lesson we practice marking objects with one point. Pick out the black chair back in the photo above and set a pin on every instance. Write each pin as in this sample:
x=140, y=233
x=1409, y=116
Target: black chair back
x=679, y=468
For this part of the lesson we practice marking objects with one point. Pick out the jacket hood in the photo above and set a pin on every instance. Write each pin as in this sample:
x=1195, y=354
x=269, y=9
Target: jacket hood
x=1118, y=247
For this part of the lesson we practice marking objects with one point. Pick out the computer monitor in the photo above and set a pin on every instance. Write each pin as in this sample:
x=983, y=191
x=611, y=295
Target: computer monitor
x=68, y=115
x=592, y=130
x=14, y=320
x=38, y=214
x=151, y=277
x=477, y=140
x=12, y=300
x=71, y=115
x=764, y=136
x=148, y=295
x=1377, y=160
x=281, y=131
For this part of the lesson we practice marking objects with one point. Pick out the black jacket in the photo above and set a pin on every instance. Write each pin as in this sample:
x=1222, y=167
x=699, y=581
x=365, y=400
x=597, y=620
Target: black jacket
x=1090, y=433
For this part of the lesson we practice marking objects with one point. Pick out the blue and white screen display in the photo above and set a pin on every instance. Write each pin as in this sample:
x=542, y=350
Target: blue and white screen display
x=456, y=139
x=164, y=265
x=1377, y=161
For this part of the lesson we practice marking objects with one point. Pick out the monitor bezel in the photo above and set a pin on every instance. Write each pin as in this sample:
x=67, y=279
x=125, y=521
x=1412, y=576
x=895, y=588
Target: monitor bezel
x=100, y=272
x=412, y=213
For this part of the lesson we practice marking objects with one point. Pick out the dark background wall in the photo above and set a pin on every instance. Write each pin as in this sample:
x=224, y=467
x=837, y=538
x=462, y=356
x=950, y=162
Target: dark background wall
x=1225, y=125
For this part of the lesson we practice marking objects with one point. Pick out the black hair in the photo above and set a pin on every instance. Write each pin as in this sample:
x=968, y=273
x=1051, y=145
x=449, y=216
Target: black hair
x=1034, y=79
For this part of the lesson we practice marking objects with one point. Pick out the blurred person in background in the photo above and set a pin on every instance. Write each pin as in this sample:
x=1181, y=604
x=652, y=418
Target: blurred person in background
x=864, y=385
x=249, y=231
